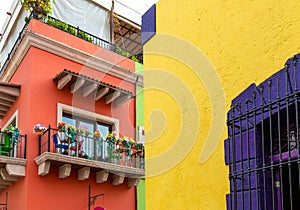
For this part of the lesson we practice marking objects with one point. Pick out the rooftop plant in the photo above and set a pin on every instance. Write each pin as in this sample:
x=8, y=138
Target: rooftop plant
x=39, y=8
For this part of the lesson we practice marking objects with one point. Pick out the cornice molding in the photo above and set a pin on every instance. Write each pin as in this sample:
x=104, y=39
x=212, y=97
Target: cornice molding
x=39, y=41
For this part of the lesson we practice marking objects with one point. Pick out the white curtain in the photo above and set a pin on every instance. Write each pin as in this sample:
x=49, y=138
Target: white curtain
x=89, y=16
x=10, y=38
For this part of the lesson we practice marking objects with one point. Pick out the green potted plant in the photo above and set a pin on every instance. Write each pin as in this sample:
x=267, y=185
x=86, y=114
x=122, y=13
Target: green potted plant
x=38, y=8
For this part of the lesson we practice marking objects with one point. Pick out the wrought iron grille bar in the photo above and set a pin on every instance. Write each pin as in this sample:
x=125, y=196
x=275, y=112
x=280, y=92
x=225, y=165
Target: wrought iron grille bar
x=234, y=166
x=263, y=150
x=241, y=155
x=264, y=144
x=249, y=156
x=288, y=138
x=255, y=152
x=229, y=161
x=271, y=142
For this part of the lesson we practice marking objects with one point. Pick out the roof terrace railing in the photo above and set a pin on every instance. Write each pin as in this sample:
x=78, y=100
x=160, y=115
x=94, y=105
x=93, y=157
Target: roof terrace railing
x=76, y=31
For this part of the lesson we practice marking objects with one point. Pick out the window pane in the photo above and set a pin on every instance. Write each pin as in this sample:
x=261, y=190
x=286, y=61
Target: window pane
x=88, y=144
x=104, y=129
x=69, y=120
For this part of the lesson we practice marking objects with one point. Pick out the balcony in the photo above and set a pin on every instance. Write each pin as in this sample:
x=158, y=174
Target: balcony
x=135, y=46
x=12, y=158
x=85, y=153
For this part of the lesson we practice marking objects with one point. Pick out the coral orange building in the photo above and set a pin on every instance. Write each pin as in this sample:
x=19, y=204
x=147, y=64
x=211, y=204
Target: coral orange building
x=52, y=76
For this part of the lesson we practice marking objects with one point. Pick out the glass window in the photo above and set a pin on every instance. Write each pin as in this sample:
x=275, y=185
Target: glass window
x=89, y=146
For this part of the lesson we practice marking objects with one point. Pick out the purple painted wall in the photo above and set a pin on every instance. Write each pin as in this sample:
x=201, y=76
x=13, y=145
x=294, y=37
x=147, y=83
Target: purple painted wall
x=246, y=149
x=149, y=24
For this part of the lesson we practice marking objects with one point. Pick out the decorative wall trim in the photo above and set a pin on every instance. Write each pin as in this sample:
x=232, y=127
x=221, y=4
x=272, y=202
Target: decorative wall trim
x=31, y=38
x=86, y=114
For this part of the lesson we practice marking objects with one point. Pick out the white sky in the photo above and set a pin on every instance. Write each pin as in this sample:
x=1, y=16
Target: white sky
x=5, y=6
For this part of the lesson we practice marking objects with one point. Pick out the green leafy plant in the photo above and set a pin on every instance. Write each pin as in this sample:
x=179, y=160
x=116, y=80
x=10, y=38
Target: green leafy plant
x=39, y=8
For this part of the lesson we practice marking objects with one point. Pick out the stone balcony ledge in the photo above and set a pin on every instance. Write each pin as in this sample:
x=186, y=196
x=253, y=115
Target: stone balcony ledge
x=84, y=166
x=10, y=170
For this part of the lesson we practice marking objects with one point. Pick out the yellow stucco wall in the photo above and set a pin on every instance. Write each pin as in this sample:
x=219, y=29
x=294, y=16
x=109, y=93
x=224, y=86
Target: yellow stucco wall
x=200, y=46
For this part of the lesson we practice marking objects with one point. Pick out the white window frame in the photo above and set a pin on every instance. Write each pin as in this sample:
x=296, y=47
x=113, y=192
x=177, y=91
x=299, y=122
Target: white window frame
x=141, y=135
x=14, y=116
x=63, y=108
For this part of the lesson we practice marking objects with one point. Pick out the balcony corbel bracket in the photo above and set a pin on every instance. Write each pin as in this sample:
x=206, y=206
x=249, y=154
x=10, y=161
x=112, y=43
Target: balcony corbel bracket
x=44, y=168
x=64, y=81
x=83, y=173
x=102, y=176
x=117, y=179
x=133, y=182
x=6, y=176
x=64, y=171
x=111, y=97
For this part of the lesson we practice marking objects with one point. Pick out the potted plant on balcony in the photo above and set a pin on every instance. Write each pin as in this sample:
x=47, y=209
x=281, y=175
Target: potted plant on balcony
x=139, y=151
x=12, y=135
x=39, y=129
x=38, y=8
x=71, y=132
x=126, y=149
x=98, y=142
x=112, y=146
x=61, y=126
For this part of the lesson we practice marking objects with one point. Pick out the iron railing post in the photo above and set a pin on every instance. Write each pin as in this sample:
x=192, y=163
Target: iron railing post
x=25, y=146
x=49, y=129
x=40, y=145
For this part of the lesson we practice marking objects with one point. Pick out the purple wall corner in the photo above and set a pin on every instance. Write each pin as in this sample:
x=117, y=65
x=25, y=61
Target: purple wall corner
x=149, y=24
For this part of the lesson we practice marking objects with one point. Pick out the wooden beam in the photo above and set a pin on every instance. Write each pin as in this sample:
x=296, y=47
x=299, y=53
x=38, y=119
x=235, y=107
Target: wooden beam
x=121, y=100
x=77, y=85
x=44, y=168
x=112, y=96
x=133, y=182
x=5, y=176
x=100, y=93
x=102, y=176
x=7, y=97
x=3, y=187
x=64, y=171
x=64, y=81
x=2, y=112
x=4, y=108
x=89, y=89
x=117, y=179
x=5, y=102
x=15, y=170
x=13, y=91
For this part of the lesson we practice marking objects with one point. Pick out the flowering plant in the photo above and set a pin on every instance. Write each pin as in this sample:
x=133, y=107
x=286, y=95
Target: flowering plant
x=126, y=142
x=139, y=147
x=13, y=131
x=112, y=138
x=39, y=129
x=42, y=7
x=70, y=131
x=97, y=134
x=61, y=126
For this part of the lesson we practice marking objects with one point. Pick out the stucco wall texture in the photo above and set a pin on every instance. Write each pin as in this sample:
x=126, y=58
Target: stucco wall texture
x=204, y=53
